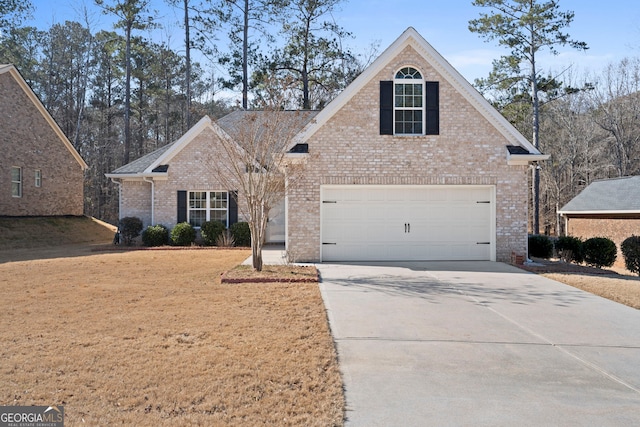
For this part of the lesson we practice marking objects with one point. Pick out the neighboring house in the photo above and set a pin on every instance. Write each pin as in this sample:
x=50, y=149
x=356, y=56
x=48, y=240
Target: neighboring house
x=606, y=208
x=177, y=183
x=42, y=174
x=409, y=162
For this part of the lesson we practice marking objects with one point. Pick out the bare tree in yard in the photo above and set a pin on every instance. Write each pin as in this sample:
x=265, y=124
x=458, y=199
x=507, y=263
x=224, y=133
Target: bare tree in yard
x=525, y=27
x=617, y=112
x=257, y=161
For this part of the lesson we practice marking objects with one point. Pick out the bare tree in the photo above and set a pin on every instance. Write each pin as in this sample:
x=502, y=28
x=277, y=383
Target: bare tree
x=617, y=105
x=257, y=161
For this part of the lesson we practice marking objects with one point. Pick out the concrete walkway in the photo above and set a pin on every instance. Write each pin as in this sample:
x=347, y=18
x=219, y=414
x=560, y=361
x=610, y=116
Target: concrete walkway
x=479, y=343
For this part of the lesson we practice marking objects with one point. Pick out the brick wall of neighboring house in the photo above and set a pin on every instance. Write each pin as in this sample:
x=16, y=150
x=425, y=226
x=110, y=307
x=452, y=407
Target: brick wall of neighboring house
x=29, y=142
x=192, y=169
x=348, y=149
x=616, y=229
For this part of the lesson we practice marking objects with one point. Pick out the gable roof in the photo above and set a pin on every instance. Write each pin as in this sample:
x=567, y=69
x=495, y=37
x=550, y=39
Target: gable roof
x=228, y=127
x=410, y=37
x=13, y=72
x=609, y=196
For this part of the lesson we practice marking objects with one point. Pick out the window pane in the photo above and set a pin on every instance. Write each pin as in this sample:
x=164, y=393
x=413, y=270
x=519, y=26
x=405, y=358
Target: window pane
x=219, y=216
x=197, y=200
x=196, y=218
x=15, y=174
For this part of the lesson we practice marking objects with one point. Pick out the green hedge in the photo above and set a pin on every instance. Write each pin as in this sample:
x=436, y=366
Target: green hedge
x=210, y=231
x=129, y=228
x=540, y=246
x=600, y=252
x=155, y=235
x=630, y=248
x=241, y=233
x=183, y=234
x=570, y=249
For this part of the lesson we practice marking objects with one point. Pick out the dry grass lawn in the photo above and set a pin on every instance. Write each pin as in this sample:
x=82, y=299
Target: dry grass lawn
x=624, y=289
x=151, y=338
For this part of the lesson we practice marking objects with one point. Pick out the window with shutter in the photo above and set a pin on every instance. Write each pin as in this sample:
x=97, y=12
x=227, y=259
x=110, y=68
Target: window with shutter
x=409, y=105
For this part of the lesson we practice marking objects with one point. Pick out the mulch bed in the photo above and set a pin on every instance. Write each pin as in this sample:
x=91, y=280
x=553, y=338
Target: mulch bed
x=271, y=274
x=542, y=266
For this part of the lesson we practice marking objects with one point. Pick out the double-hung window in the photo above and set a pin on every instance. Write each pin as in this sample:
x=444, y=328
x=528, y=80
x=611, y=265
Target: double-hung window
x=38, y=182
x=408, y=102
x=16, y=181
x=208, y=206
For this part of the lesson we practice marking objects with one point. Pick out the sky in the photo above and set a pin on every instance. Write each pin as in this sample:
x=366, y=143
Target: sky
x=611, y=29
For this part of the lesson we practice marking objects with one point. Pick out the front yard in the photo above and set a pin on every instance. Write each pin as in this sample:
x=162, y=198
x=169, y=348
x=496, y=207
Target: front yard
x=151, y=338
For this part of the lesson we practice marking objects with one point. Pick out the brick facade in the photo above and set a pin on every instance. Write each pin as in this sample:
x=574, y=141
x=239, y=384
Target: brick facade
x=29, y=142
x=192, y=169
x=616, y=229
x=348, y=149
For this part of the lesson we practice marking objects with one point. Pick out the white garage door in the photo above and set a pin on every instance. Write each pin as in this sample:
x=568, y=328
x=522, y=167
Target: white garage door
x=402, y=223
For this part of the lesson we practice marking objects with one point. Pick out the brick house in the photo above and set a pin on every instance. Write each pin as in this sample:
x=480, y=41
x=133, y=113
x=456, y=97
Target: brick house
x=42, y=173
x=605, y=208
x=409, y=162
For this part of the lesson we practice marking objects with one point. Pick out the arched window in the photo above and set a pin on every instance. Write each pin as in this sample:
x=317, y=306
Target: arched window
x=408, y=106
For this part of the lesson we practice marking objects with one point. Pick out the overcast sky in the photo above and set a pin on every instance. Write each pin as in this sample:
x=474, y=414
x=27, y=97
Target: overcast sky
x=610, y=28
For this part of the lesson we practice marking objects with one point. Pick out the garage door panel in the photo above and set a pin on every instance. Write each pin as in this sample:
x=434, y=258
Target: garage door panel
x=406, y=223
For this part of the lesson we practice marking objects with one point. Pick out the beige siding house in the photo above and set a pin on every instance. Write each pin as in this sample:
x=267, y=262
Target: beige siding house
x=42, y=174
x=409, y=162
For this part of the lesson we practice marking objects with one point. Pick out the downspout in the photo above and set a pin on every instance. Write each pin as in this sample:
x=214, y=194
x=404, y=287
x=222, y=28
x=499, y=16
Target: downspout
x=119, y=184
x=153, y=192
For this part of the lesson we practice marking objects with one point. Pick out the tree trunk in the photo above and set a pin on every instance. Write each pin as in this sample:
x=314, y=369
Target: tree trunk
x=187, y=43
x=536, y=138
x=127, y=96
x=245, y=59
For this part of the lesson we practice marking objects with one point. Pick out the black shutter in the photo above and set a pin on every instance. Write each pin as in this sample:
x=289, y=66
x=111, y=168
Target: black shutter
x=386, y=108
x=233, y=207
x=432, y=125
x=182, y=206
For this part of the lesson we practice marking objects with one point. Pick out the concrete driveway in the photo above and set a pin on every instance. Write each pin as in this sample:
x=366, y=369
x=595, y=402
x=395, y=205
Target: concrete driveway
x=479, y=343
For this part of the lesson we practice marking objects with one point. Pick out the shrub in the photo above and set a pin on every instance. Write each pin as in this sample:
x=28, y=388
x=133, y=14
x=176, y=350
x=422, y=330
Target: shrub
x=631, y=252
x=183, y=234
x=225, y=239
x=241, y=233
x=155, y=235
x=570, y=249
x=130, y=228
x=540, y=246
x=600, y=252
x=210, y=231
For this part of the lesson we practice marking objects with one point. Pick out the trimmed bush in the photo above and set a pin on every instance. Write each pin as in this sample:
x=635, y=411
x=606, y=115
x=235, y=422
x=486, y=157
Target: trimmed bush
x=540, y=246
x=241, y=233
x=183, y=234
x=631, y=251
x=155, y=235
x=130, y=228
x=570, y=249
x=600, y=252
x=210, y=231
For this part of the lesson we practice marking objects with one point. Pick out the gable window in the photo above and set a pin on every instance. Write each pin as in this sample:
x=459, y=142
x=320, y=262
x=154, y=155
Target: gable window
x=409, y=105
x=38, y=182
x=408, y=102
x=16, y=181
x=208, y=206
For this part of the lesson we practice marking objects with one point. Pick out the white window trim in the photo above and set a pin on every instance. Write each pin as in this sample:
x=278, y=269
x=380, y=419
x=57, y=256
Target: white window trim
x=208, y=205
x=19, y=182
x=421, y=82
x=38, y=178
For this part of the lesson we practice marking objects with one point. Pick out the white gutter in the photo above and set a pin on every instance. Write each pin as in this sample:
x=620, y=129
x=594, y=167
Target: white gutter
x=153, y=194
x=119, y=184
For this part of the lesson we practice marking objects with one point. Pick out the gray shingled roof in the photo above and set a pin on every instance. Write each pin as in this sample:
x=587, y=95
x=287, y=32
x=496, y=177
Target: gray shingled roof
x=141, y=164
x=231, y=123
x=609, y=195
